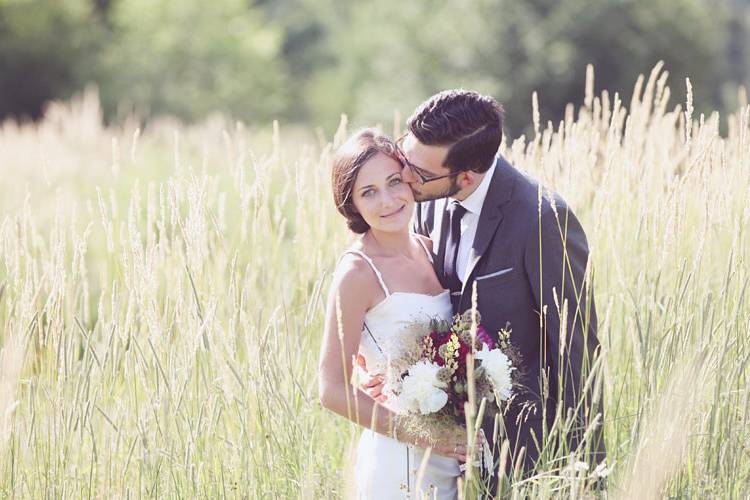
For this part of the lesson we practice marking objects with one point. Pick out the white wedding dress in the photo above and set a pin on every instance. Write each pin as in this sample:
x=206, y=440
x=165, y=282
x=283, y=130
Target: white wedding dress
x=387, y=469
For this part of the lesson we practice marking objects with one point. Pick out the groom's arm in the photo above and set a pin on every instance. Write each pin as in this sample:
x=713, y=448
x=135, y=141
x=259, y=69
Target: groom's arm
x=555, y=259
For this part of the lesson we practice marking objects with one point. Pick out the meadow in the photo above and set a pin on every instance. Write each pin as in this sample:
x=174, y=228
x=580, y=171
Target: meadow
x=162, y=293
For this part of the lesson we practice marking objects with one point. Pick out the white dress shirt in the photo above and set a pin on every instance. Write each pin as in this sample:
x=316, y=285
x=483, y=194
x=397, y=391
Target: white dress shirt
x=469, y=222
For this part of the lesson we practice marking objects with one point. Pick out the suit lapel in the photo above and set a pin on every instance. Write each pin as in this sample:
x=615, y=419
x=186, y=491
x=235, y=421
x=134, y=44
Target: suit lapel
x=491, y=217
x=486, y=230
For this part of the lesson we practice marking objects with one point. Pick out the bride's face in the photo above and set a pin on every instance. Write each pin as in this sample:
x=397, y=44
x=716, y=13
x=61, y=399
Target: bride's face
x=381, y=196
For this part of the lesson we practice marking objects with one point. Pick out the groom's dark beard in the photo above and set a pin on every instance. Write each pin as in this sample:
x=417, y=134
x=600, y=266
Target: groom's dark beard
x=452, y=189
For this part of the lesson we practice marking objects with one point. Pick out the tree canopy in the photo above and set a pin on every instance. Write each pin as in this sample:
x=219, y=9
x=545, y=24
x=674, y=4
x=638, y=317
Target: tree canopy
x=311, y=60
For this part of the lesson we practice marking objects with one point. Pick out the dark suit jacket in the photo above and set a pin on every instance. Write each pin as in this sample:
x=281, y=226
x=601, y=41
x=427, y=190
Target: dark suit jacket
x=529, y=256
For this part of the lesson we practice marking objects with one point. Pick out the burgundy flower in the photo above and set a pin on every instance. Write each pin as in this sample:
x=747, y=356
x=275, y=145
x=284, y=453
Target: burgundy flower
x=463, y=351
x=484, y=336
x=439, y=360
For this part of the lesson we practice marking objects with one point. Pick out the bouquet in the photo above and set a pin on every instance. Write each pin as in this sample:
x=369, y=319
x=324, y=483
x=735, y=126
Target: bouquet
x=427, y=382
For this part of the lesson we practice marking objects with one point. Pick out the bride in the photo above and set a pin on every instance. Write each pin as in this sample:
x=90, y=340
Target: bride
x=382, y=283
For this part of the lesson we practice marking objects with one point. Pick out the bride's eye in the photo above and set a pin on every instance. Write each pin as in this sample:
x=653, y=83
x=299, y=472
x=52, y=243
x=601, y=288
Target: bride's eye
x=396, y=181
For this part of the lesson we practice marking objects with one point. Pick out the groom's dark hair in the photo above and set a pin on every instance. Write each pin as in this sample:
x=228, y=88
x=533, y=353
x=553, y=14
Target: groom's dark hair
x=467, y=121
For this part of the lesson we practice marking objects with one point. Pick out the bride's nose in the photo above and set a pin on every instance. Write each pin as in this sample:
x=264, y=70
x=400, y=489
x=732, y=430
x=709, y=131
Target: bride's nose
x=388, y=200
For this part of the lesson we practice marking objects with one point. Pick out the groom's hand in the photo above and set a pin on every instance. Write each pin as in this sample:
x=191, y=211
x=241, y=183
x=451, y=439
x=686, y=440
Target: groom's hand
x=373, y=387
x=450, y=448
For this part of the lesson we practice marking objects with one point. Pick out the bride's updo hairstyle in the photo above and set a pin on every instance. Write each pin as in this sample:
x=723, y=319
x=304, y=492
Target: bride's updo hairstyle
x=347, y=161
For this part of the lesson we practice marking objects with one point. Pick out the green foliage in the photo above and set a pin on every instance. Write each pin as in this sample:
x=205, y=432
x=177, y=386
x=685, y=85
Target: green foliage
x=189, y=58
x=394, y=54
x=390, y=56
x=550, y=43
x=45, y=49
x=311, y=60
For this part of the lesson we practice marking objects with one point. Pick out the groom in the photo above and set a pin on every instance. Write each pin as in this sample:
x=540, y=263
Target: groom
x=493, y=227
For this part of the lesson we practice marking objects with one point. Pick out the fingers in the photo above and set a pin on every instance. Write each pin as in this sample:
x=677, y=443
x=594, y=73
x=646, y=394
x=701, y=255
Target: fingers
x=374, y=388
x=458, y=456
x=458, y=452
x=375, y=392
x=361, y=362
x=374, y=381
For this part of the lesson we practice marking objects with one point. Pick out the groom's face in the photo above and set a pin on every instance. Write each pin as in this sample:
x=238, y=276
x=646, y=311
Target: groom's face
x=425, y=169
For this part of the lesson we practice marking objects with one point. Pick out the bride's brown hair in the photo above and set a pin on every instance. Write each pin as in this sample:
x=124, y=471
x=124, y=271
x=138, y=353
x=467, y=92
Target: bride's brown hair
x=347, y=161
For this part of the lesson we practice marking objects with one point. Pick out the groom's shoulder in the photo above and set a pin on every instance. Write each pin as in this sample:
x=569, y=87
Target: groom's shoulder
x=531, y=195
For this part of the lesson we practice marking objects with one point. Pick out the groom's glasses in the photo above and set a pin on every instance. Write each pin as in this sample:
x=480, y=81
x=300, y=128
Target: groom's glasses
x=419, y=173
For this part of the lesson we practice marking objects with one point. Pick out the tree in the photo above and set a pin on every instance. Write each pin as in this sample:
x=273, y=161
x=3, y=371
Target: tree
x=45, y=53
x=392, y=54
x=189, y=58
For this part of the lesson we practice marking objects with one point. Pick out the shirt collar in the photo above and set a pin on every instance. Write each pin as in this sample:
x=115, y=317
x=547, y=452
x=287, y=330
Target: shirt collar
x=473, y=203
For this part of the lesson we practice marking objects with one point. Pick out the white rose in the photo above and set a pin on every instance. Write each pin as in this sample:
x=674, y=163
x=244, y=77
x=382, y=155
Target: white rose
x=497, y=366
x=421, y=390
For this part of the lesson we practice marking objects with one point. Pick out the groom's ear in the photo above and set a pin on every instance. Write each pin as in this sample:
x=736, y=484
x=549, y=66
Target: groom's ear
x=467, y=178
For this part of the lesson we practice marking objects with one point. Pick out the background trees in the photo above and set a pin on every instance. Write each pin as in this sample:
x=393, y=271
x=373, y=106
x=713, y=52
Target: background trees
x=310, y=60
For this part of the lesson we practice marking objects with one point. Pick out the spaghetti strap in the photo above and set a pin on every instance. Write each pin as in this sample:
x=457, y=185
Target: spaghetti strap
x=375, y=269
x=424, y=247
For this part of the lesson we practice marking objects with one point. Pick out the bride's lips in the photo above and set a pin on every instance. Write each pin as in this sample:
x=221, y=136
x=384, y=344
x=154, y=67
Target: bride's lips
x=394, y=213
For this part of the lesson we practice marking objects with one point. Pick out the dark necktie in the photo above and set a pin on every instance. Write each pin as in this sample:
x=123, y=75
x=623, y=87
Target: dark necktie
x=455, y=212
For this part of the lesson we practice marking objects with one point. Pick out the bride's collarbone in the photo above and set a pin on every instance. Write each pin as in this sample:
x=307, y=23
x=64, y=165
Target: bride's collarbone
x=406, y=274
x=412, y=282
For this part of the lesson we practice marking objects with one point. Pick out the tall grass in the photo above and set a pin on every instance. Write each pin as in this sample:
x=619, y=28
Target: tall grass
x=161, y=301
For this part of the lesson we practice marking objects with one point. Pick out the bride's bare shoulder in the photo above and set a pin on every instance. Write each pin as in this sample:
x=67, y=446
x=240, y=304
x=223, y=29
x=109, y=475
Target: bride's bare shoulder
x=350, y=262
x=353, y=274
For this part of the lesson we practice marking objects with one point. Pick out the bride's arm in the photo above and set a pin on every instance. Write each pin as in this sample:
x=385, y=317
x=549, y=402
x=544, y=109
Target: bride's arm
x=353, y=291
